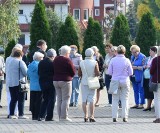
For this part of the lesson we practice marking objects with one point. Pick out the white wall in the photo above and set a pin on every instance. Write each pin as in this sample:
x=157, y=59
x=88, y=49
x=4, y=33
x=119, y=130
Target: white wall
x=61, y=11
x=27, y=10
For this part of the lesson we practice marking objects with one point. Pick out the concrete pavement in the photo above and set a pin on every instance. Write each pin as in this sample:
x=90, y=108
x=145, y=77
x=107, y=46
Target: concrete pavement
x=139, y=121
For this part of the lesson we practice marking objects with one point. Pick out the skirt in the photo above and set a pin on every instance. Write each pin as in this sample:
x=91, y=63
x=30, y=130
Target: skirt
x=147, y=93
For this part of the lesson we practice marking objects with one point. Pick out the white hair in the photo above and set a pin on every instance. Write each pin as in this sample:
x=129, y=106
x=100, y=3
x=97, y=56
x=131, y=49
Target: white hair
x=95, y=48
x=65, y=49
x=19, y=46
x=37, y=55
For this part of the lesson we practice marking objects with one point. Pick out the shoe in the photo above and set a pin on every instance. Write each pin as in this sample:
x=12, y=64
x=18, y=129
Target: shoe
x=86, y=119
x=7, y=116
x=156, y=121
x=23, y=117
x=66, y=120
x=76, y=105
x=147, y=109
x=92, y=120
x=13, y=117
x=1, y=106
x=49, y=120
x=71, y=104
x=96, y=105
x=114, y=120
x=140, y=107
x=41, y=119
x=134, y=107
x=125, y=120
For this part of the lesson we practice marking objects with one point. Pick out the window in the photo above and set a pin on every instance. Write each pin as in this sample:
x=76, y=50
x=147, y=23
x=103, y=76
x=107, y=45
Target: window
x=96, y=3
x=21, y=39
x=20, y=11
x=76, y=14
x=97, y=12
x=85, y=14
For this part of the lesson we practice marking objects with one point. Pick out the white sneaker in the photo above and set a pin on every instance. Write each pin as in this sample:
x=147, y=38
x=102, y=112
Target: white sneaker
x=66, y=120
x=13, y=117
x=23, y=117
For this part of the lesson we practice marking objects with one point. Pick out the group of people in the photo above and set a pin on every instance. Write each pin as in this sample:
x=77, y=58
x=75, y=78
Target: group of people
x=58, y=78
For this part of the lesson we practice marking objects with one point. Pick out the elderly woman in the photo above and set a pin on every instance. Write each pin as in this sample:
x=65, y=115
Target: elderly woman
x=155, y=72
x=35, y=90
x=148, y=95
x=62, y=79
x=90, y=66
x=98, y=57
x=17, y=70
x=108, y=57
x=120, y=68
x=45, y=71
x=137, y=61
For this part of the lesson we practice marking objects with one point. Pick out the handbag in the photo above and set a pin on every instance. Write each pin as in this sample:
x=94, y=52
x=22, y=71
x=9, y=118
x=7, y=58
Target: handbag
x=114, y=85
x=93, y=82
x=153, y=87
x=23, y=85
x=147, y=74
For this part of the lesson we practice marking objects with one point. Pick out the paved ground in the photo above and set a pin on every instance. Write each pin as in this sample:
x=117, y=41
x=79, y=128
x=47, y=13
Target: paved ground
x=139, y=121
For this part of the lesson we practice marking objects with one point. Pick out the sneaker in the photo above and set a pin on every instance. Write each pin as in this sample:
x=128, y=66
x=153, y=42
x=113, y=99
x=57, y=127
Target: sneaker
x=13, y=117
x=41, y=119
x=66, y=120
x=125, y=120
x=0, y=106
x=23, y=117
x=71, y=104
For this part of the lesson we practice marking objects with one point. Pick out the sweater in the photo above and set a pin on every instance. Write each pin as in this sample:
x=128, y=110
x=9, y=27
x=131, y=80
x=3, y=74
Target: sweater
x=153, y=70
x=63, y=69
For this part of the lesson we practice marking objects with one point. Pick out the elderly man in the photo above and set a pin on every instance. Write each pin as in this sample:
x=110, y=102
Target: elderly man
x=76, y=59
x=45, y=71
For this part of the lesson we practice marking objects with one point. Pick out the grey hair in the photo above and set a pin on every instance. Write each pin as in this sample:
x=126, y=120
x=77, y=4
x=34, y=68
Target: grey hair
x=64, y=50
x=19, y=46
x=37, y=55
x=95, y=48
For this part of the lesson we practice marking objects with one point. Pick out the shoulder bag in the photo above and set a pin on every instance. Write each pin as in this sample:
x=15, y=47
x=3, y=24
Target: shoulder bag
x=23, y=86
x=154, y=86
x=93, y=82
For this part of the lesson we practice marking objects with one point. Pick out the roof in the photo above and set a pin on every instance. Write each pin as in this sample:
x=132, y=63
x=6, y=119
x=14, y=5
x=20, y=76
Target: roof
x=45, y=1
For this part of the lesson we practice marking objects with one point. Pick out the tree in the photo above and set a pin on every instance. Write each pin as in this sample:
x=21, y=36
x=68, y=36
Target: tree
x=158, y=3
x=9, y=28
x=39, y=28
x=146, y=35
x=9, y=48
x=120, y=33
x=132, y=20
x=88, y=36
x=142, y=9
x=67, y=33
x=55, y=25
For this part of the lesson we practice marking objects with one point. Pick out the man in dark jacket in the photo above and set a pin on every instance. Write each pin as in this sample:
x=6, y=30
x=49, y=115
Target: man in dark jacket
x=45, y=71
x=41, y=47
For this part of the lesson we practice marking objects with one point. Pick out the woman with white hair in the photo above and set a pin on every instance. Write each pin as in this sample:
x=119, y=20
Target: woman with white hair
x=99, y=58
x=120, y=69
x=62, y=79
x=35, y=90
x=88, y=68
x=155, y=72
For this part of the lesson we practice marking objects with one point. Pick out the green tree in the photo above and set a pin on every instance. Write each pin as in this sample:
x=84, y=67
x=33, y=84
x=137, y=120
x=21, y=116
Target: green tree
x=9, y=27
x=39, y=28
x=88, y=36
x=120, y=33
x=55, y=25
x=67, y=33
x=9, y=48
x=146, y=35
x=132, y=20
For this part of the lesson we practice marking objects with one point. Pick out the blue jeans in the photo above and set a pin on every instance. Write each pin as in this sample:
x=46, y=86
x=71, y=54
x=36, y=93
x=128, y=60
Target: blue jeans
x=1, y=86
x=107, y=83
x=17, y=96
x=75, y=90
x=138, y=93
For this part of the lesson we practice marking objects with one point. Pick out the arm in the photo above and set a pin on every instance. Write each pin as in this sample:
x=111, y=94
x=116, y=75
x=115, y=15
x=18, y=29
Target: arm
x=110, y=68
x=80, y=72
x=96, y=70
x=71, y=68
x=130, y=70
x=23, y=68
x=153, y=66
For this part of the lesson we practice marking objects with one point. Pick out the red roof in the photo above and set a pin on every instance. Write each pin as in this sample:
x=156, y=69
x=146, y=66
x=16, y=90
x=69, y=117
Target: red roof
x=24, y=27
x=45, y=1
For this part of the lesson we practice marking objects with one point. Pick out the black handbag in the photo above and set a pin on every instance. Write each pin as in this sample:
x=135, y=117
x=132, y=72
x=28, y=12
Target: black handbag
x=153, y=87
x=23, y=85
